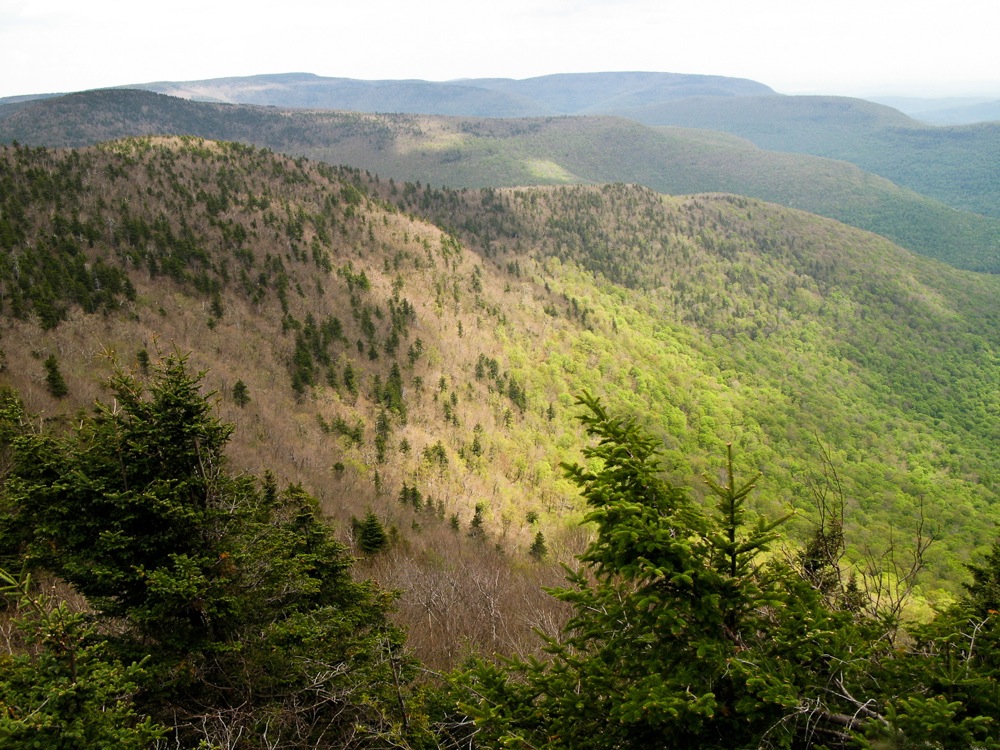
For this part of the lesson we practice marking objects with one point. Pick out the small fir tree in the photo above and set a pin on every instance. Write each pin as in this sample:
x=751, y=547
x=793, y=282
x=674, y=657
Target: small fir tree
x=538, y=549
x=241, y=394
x=371, y=535
x=54, y=380
x=476, y=530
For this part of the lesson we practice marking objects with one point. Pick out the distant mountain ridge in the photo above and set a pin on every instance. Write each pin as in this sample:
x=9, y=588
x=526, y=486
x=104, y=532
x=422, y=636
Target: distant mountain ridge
x=497, y=152
x=559, y=94
x=956, y=165
x=946, y=111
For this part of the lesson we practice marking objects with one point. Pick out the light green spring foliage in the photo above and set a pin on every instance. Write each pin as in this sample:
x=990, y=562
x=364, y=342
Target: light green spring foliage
x=684, y=636
x=64, y=690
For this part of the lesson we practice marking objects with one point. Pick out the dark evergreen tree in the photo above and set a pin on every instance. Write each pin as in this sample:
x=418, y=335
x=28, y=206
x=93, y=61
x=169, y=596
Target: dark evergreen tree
x=682, y=636
x=241, y=394
x=235, y=595
x=539, y=549
x=371, y=535
x=54, y=380
x=476, y=529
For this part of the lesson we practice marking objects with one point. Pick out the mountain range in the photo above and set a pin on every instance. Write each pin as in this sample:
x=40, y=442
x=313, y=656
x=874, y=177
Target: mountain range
x=379, y=350
x=563, y=94
x=417, y=350
x=931, y=189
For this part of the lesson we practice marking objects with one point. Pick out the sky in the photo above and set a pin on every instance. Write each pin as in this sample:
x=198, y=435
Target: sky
x=926, y=48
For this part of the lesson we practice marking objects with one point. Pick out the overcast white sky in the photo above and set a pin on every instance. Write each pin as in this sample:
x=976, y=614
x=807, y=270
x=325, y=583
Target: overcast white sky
x=854, y=47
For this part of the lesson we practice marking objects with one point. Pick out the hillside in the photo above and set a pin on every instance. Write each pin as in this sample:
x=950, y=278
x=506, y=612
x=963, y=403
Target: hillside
x=956, y=165
x=947, y=111
x=431, y=376
x=462, y=152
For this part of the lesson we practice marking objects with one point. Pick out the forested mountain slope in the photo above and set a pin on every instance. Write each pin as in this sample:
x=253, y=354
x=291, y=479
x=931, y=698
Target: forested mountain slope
x=462, y=152
x=956, y=164
x=418, y=361
x=381, y=353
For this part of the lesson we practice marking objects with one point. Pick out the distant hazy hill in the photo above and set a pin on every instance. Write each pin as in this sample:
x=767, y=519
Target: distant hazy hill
x=477, y=152
x=564, y=94
x=946, y=111
x=956, y=165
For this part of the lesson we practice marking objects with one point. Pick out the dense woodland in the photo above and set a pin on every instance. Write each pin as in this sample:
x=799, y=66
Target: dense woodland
x=933, y=171
x=291, y=455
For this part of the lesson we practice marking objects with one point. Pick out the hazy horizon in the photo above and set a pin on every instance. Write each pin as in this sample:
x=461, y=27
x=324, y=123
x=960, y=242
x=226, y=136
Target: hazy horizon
x=959, y=92
x=848, y=48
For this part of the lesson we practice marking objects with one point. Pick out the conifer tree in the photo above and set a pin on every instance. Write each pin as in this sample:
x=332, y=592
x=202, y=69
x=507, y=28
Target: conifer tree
x=476, y=529
x=371, y=534
x=682, y=636
x=54, y=380
x=539, y=549
x=65, y=692
x=235, y=595
x=241, y=394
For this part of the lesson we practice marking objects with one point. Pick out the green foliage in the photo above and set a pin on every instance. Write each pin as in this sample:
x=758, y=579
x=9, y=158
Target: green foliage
x=688, y=632
x=983, y=591
x=436, y=455
x=771, y=322
x=371, y=534
x=241, y=394
x=919, y=722
x=355, y=433
x=48, y=273
x=476, y=530
x=350, y=380
x=538, y=549
x=411, y=496
x=946, y=691
x=122, y=505
x=63, y=691
x=682, y=636
x=235, y=595
x=54, y=380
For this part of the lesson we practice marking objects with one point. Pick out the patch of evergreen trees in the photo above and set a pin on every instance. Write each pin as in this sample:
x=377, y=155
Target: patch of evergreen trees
x=223, y=610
